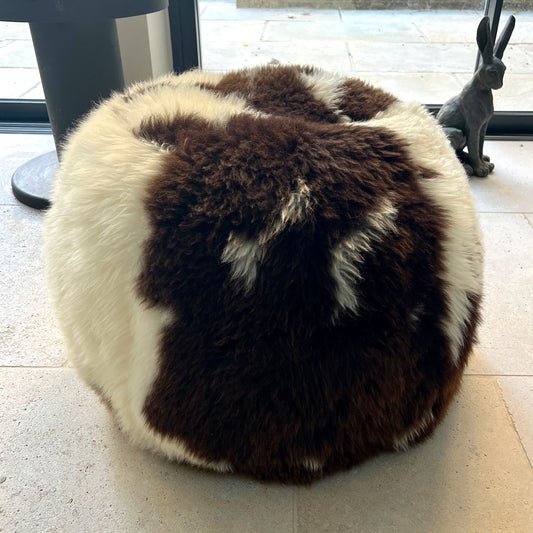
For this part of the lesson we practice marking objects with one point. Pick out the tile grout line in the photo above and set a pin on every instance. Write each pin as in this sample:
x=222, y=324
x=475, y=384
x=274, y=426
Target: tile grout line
x=350, y=56
x=294, y=510
x=521, y=213
x=263, y=31
x=484, y=375
x=424, y=36
x=509, y=414
x=26, y=367
x=30, y=89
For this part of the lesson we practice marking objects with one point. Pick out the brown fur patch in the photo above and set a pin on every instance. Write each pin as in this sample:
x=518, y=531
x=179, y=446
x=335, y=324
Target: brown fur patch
x=264, y=380
x=361, y=101
x=276, y=91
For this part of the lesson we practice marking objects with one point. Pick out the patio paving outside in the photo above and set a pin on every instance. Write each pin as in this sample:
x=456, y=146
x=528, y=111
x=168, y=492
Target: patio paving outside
x=425, y=56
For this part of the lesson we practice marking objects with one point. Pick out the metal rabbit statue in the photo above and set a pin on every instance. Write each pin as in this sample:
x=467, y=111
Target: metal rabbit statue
x=465, y=116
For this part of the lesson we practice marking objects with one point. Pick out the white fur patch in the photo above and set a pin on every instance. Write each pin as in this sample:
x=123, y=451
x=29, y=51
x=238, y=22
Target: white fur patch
x=244, y=256
x=463, y=250
x=313, y=465
x=326, y=87
x=294, y=209
x=94, y=237
x=348, y=255
x=407, y=438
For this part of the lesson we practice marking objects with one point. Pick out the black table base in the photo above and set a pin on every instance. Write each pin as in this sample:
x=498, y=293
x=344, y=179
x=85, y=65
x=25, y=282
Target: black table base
x=32, y=183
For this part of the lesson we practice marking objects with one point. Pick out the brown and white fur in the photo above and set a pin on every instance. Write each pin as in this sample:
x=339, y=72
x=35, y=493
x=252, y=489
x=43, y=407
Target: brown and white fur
x=274, y=272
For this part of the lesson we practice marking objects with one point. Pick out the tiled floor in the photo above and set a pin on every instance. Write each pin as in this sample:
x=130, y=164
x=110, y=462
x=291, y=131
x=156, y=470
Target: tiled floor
x=426, y=56
x=64, y=467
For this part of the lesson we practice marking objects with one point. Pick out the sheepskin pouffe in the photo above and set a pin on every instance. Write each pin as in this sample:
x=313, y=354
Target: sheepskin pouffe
x=275, y=272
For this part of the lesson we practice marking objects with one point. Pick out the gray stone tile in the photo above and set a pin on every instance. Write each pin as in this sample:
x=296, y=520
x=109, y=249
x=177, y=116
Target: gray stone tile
x=411, y=57
x=18, y=54
x=15, y=82
x=523, y=32
x=16, y=150
x=14, y=30
x=519, y=58
x=471, y=476
x=509, y=188
x=230, y=31
x=505, y=340
x=426, y=87
x=518, y=394
x=229, y=11
x=222, y=56
x=447, y=26
x=515, y=95
x=27, y=331
x=66, y=468
x=398, y=31
x=428, y=17
x=35, y=93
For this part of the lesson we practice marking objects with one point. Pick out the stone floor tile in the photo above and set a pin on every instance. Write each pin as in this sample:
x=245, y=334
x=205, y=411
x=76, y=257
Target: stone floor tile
x=398, y=31
x=472, y=476
x=518, y=394
x=35, y=93
x=16, y=150
x=66, y=468
x=447, y=26
x=14, y=30
x=27, y=331
x=411, y=57
x=509, y=189
x=427, y=87
x=523, y=31
x=222, y=56
x=515, y=95
x=228, y=11
x=230, y=31
x=505, y=340
x=18, y=54
x=17, y=81
x=518, y=58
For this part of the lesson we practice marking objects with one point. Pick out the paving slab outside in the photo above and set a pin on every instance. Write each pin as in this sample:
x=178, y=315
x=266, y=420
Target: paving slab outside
x=424, y=56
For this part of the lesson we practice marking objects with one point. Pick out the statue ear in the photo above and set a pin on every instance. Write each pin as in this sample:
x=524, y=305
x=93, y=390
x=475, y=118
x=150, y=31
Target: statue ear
x=484, y=40
x=501, y=43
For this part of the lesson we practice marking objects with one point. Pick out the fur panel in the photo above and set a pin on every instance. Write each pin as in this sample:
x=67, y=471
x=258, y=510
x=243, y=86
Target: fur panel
x=360, y=101
x=278, y=335
x=414, y=433
x=448, y=189
x=349, y=254
x=94, y=237
x=244, y=256
x=339, y=212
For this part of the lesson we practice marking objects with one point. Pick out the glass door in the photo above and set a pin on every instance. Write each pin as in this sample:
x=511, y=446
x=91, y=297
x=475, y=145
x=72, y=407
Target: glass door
x=424, y=54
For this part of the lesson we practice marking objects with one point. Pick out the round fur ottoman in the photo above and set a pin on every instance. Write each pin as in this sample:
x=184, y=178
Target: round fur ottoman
x=275, y=272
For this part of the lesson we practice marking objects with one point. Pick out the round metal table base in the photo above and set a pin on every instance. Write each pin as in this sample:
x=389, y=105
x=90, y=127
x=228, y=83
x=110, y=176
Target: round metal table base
x=32, y=183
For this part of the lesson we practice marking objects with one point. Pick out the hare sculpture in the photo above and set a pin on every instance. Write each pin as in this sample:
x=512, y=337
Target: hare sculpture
x=274, y=272
x=465, y=117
